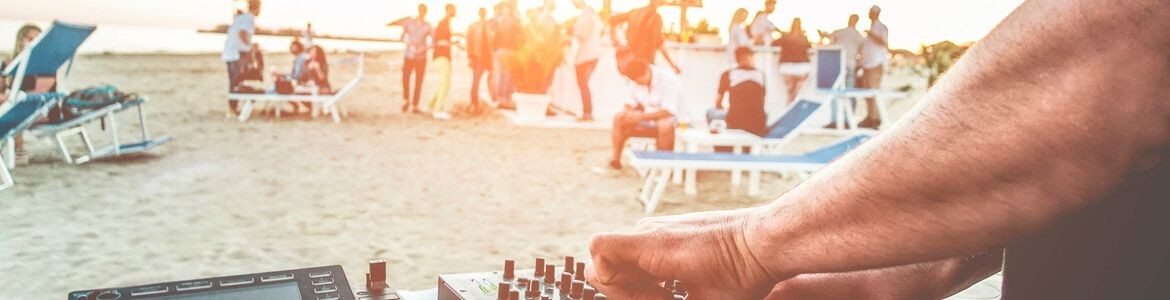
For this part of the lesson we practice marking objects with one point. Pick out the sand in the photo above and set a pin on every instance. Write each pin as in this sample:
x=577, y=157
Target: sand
x=228, y=198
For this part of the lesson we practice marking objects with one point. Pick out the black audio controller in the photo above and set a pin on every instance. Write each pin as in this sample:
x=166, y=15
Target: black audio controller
x=542, y=282
x=319, y=283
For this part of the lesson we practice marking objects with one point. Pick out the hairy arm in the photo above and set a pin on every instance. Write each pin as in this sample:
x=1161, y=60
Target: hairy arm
x=933, y=280
x=1043, y=117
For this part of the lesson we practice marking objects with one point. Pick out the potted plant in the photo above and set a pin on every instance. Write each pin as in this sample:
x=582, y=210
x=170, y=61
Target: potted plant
x=532, y=67
x=705, y=34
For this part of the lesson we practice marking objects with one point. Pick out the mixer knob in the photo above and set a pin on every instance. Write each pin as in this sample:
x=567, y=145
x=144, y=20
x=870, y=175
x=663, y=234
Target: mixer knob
x=600, y=297
x=509, y=270
x=539, y=270
x=503, y=291
x=534, y=289
x=578, y=289
x=580, y=273
x=514, y=295
x=550, y=274
x=569, y=264
x=590, y=293
x=566, y=282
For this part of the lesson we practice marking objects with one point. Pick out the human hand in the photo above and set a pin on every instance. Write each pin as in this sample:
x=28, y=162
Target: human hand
x=706, y=251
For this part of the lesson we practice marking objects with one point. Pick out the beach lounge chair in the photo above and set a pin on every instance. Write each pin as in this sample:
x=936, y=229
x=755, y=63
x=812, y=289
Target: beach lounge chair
x=322, y=103
x=18, y=117
x=45, y=57
x=660, y=165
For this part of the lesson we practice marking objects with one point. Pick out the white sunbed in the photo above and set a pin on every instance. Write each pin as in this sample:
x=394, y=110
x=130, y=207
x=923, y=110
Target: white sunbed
x=322, y=103
x=660, y=165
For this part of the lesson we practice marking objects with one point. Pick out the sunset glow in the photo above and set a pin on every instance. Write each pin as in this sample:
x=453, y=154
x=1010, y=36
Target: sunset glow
x=912, y=22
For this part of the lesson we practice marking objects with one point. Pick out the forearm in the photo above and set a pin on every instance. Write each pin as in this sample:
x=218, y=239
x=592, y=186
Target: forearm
x=933, y=280
x=1022, y=132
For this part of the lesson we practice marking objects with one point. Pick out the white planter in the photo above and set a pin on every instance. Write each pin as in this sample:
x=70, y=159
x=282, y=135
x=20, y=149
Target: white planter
x=707, y=39
x=531, y=107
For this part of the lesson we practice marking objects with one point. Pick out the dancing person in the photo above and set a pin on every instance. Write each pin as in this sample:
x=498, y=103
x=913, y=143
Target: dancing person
x=587, y=33
x=417, y=35
x=875, y=53
x=850, y=41
x=508, y=36
x=737, y=34
x=1047, y=177
x=794, y=61
x=237, y=49
x=479, y=55
x=442, y=59
x=644, y=35
x=743, y=87
x=762, y=26
x=655, y=107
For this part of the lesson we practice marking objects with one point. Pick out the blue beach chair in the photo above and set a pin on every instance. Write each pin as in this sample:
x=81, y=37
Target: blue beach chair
x=54, y=49
x=661, y=163
x=17, y=118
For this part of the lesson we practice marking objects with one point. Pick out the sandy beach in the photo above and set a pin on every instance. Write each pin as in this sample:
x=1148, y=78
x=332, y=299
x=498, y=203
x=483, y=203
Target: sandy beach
x=227, y=197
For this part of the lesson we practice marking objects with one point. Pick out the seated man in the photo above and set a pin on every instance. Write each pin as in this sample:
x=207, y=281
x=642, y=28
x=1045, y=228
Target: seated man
x=745, y=85
x=653, y=112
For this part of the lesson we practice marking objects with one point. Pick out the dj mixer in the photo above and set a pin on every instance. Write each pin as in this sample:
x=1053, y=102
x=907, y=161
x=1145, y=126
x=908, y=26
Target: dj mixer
x=319, y=283
x=542, y=282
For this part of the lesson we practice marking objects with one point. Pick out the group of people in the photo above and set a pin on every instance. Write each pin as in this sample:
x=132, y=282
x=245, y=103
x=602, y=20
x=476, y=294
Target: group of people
x=489, y=41
x=246, y=62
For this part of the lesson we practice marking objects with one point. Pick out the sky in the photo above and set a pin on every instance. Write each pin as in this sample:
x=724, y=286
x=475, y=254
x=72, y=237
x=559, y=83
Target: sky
x=911, y=22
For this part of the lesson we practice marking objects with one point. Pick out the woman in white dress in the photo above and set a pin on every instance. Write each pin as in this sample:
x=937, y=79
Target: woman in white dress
x=737, y=34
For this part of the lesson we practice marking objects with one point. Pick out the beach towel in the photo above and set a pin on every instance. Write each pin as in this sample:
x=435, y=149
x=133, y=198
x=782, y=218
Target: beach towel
x=89, y=99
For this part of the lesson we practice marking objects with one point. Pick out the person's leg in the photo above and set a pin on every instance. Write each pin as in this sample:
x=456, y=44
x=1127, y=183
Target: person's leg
x=233, y=68
x=476, y=76
x=439, y=101
x=873, y=80
x=622, y=123
x=420, y=73
x=797, y=85
x=665, y=136
x=407, y=69
x=584, y=72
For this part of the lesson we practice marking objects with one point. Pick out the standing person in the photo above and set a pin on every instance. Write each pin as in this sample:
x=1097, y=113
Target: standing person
x=238, y=47
x=508, y=36
x=743, y=86
x=655, y=107
x=442, y=59
x=794, y=62
x=875, y=53
x=479, y=55
x=417, y=34
x=307, y=36
x=24, y=38
x=644, y=36
x=587, y=32
x=850, y=41
x=762, y=26
x=737, y=34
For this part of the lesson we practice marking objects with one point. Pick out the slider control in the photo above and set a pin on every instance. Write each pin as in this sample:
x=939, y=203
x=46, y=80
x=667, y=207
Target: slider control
x=509, y=270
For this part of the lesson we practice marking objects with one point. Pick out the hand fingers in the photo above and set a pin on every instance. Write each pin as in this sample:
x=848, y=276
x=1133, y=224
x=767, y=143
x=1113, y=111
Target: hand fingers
x=624, y=283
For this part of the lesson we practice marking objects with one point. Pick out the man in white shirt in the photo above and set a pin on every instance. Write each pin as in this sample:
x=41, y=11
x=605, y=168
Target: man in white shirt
x=587, y=32
x=656, y=105
x=875, y=53
x=850, y=41
x=762, y=27
x=238, y=45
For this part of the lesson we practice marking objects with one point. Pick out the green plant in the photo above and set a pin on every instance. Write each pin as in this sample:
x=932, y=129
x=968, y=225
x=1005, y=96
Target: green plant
x=939, y=58
x=532, y=65
x=704, y=27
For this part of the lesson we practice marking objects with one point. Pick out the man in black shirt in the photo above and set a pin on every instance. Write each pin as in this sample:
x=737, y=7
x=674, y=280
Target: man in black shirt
x=438, y=104
x=745, y=87
x=1043, y=151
